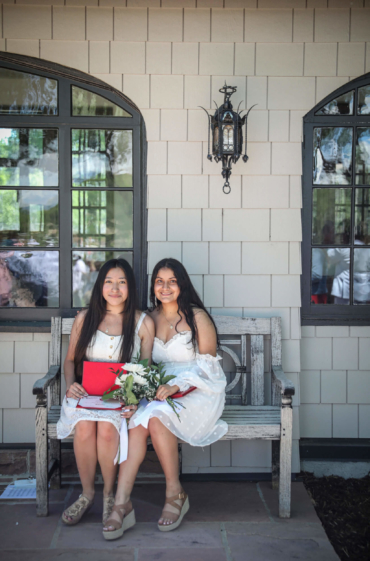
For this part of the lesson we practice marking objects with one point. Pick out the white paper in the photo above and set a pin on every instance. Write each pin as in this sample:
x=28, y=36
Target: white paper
x=96, y=402
x=121, y=455
x=19, y=491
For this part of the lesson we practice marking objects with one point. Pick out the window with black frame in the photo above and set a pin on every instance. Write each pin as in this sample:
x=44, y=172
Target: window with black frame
x=71, y=192
x=336, y=216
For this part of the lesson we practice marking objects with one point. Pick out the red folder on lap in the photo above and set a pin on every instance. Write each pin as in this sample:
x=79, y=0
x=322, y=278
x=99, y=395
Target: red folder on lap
x=181, y=394
x=97, y=377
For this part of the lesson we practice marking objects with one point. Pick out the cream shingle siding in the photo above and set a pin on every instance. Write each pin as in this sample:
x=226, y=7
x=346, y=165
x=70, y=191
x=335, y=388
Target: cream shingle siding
x=242, y=250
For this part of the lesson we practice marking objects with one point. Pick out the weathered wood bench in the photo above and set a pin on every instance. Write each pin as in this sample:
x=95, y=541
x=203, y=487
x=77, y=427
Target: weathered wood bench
x=248, y=418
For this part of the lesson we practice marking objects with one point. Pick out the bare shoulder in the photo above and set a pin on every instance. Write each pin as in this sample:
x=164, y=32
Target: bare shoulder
x=79, y=319
x=202, y=319
x=147, y=326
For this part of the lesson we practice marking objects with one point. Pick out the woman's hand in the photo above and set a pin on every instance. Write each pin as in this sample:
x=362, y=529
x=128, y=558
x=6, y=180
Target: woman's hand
x=128, y=411
x=76, y=391
x=165, y=391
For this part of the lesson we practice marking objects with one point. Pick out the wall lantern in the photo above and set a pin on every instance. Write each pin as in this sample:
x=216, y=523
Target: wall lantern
x=227, y=137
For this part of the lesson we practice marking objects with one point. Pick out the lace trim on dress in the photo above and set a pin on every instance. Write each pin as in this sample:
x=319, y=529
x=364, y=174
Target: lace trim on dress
x=209, y=357
x=172, y=338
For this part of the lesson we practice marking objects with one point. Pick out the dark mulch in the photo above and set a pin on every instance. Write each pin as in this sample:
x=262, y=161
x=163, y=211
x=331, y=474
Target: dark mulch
x=343, y=506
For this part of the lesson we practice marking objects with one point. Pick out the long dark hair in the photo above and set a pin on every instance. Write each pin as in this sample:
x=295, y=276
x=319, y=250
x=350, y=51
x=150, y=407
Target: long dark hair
x=188, y=298
x=97, y=310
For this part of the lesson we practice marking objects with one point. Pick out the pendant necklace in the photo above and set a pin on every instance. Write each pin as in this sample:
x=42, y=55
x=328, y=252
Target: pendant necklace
x=169, y=323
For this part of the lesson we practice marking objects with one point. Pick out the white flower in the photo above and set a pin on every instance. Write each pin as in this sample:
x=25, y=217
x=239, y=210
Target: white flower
x=120, y=381
x=135, y=368
x=139, y=379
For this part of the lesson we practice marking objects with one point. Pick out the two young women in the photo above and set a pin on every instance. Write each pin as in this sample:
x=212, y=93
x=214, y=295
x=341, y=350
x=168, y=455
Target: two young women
x=178, y=332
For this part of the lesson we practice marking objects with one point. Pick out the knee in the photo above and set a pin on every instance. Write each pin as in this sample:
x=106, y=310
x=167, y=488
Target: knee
x=85, y=430
x=107, y=432
x=155, y=426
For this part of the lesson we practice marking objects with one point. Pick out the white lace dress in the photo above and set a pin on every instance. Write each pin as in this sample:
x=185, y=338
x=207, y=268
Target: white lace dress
x=200, y=423
x=104, y=348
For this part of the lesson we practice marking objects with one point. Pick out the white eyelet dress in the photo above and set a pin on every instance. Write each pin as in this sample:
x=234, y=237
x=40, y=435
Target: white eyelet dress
x=200, y=423
x=104, y=348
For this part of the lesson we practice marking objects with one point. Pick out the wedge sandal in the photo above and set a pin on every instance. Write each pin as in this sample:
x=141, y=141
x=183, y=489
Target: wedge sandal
x=127, y=521
x=77, y=510
x=176, y=519
x=108, y=504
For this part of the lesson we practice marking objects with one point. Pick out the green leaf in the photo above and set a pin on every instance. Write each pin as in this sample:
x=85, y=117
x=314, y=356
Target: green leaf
x=167, y=378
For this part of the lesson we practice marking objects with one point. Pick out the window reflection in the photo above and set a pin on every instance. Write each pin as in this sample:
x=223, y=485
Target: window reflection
x=102, y=219
x=330, y=276
x=85, y=269
x=332, y=153
x=331, y=216
x=363, y=156
x=29, y=157
x=361, y=275
x=29, y=279
x=342, y=105
x=29, y=218
x=362, y=216
x=27, y=94
x=90, y=104
x=101, y=158
x=364, y=101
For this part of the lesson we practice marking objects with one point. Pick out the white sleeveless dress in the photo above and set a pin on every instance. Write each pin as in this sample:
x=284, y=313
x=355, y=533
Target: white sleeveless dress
x=104, y=348
x=200, y=423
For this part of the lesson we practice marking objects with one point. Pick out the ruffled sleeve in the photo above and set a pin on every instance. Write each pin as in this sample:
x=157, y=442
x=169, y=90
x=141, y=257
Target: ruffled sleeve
x=207, y=375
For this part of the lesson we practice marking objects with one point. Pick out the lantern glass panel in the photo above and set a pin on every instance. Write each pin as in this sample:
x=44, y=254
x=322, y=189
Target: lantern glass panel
x=228, y=138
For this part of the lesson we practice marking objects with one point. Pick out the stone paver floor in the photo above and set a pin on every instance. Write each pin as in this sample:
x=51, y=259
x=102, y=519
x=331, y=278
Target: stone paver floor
x=231, y=521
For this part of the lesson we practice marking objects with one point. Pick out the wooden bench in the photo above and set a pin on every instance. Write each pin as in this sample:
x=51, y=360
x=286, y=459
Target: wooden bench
x=248, y=416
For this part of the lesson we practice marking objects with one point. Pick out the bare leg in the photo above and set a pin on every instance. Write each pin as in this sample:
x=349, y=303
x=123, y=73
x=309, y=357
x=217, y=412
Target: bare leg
x=137, y=445
x=107, y=446
x=84, y=446
x=166, y=447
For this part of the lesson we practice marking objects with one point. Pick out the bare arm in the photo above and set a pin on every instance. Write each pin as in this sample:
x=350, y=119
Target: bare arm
x=146, y=334
x=74, y=390
x=207, y=339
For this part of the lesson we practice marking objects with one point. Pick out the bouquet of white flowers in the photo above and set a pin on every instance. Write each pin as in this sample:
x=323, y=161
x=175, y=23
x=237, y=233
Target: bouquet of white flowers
x=136, y=380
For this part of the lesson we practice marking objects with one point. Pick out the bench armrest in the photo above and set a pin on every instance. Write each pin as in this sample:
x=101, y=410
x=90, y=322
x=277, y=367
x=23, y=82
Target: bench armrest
x=286, y=386
x=40, y=386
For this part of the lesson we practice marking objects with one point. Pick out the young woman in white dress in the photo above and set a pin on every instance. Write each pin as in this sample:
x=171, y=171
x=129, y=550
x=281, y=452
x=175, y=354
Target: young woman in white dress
x=186, y=342
x=112, y=329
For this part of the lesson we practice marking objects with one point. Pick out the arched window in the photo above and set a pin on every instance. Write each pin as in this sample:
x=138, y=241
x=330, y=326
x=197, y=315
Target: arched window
x=336, y=208
x=72, y=187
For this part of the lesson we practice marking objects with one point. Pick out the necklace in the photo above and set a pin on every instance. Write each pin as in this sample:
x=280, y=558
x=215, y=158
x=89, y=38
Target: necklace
x=106, y=325
x=169, y=323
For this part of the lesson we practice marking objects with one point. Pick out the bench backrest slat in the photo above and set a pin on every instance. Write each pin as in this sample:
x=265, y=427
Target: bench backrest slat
x=257, y=364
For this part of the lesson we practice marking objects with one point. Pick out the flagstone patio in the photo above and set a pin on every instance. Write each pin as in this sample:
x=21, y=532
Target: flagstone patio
x=227, y=521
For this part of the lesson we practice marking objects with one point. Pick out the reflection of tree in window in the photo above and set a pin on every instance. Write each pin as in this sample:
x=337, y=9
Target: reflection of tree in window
x=29, y=157
x=102, y=158
x=363, y=156
x=362, y=216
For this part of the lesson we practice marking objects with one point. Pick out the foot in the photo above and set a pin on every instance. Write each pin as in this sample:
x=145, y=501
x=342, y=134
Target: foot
x=117, y=515
x=73, y=514
x=172, y=510
x=108, y=503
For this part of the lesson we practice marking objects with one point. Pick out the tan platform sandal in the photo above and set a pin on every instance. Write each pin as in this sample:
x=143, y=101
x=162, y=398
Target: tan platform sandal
x=77, y=510
x=108, y=504
x=176, y=519
x=127, y=521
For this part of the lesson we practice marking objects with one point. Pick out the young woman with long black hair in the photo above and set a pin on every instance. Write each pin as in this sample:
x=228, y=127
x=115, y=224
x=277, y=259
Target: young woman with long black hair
x=186, y=342
x=112, y=329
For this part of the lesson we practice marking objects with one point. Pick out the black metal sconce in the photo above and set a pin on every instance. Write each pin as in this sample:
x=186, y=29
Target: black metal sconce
x=227, y=135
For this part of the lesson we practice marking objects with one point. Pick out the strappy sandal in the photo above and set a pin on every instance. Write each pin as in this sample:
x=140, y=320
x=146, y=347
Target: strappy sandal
x=77, y=510
x=127, y=521
x=176, y=519
x=108, y=504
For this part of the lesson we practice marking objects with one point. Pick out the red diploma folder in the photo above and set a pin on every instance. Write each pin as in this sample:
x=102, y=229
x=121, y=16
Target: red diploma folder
x=181, y=394
x=97, y=377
